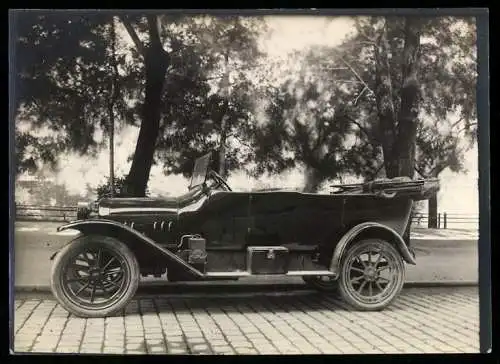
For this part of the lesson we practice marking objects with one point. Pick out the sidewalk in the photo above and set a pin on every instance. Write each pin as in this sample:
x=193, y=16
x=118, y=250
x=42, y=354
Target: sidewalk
x=442, y=257
x=444, y=234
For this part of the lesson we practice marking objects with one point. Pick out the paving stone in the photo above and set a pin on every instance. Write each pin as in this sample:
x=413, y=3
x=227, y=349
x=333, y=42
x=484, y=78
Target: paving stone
x=178, y=351
x=156, y=348
x=68, y=349
x=137, y=352
x=418, y=322
x=113, y=350
x=22, y=348
x=154, y=336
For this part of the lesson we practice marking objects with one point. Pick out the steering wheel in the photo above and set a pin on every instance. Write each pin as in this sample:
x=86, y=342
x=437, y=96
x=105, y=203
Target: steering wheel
x=219, y=180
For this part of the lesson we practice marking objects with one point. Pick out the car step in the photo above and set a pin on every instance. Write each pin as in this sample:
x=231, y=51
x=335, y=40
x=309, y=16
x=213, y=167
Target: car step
x=291, y=273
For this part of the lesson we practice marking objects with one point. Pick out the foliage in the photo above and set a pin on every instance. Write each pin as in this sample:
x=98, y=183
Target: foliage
x=384, y=96
x=104, y=189
x=418, y=73
x=438, y=149
x=307, y=126
x=221, y=98
x=69, y=56
x=406, y=70
x=63, y=77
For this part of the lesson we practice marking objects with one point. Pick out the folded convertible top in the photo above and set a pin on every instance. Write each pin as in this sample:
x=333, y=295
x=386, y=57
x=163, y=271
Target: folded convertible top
x=421, y=189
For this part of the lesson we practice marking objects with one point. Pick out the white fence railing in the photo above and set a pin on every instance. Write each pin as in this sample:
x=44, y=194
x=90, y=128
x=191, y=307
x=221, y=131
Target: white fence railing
x=447, y=220
x=45, y=213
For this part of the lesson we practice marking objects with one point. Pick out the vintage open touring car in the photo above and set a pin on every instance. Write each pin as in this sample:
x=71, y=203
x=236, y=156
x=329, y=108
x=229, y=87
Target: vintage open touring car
x=354, y=241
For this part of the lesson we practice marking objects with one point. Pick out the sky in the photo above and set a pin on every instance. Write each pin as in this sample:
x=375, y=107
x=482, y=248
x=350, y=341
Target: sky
x=287, y=33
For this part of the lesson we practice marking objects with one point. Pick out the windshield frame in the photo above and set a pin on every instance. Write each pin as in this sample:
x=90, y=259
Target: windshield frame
x=200, y=171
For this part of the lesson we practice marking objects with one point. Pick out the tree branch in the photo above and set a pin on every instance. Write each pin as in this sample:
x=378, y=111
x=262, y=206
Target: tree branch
x=372, y=140
x=438, y=168
x=369, y=42
x=133, y=35
x=419, y=171
x=154, y=29
x=362, y=128
x=378, y=170
x=334, y=68
x=363, y=33
x=356, y=74
x=457, y=122
x=240, y=141
x=360, y=94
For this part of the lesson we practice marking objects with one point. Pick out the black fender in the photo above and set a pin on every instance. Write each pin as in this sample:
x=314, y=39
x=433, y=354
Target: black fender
x=129, y=236
x=371, y=229
x=58, y=250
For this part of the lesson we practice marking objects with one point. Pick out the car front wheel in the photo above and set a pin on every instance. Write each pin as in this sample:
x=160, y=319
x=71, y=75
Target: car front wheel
x=372, y=274
x=94, y=276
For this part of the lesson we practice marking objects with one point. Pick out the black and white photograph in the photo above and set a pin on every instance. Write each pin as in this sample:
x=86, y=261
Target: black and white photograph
x=244, y=183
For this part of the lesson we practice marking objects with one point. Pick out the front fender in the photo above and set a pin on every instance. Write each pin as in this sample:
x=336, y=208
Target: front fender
x=113, y=228
x=58, y=250
x=372, y=229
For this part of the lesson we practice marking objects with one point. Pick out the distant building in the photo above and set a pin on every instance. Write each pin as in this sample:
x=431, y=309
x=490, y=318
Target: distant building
x=27, y=180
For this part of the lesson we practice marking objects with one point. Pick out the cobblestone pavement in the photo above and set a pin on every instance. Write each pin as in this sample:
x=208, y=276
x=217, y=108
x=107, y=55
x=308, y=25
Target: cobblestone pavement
x=421, y=320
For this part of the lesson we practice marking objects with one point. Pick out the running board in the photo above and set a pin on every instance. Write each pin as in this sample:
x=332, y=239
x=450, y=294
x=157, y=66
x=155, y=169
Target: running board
x=297, y=273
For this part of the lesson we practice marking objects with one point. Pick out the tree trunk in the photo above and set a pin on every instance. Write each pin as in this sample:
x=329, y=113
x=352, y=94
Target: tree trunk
x=222, y=148
x=398, y=132
x=219, y=119
x=222, y=122
x=410, y=98
x=156, y=62
x=385, y=104
x=111, y=104
x=432, y=213
x=313, y=180
x=111, y=150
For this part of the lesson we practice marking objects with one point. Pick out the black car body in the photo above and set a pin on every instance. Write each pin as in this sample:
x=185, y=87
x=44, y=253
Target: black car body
x=340, y=242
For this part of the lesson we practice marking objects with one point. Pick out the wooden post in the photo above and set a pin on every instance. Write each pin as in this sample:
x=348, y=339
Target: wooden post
x=432, y=212
x=444, y=220
x=439, y=221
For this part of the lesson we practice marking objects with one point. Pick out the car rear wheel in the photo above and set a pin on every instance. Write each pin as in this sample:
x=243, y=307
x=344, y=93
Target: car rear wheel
x=94, y=276
x=372, y=274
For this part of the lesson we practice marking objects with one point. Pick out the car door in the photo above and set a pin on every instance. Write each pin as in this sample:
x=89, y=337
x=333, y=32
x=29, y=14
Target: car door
x=271, y=218
x=224, y=220
x=281, y=218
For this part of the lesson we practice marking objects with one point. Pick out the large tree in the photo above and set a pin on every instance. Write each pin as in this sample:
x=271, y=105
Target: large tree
x=158, y=78
x=180, y=60
x=386, y=80
x=222, y=116
x=59, y=84
x=156, y=63
x=407, y=69
x=307, y=126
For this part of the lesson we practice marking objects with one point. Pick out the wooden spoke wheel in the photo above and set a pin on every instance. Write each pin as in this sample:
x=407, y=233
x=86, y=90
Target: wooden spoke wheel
x=372, y=274
x=94, y=276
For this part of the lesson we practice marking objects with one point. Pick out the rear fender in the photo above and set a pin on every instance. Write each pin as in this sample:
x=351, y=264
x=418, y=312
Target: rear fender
x=370, y=230
x=136, y=241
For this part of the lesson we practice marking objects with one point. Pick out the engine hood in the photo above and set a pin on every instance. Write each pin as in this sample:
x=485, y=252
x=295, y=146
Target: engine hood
x=137, y=206
x=139, y=202
x=148, y=205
